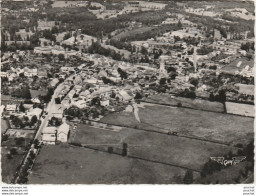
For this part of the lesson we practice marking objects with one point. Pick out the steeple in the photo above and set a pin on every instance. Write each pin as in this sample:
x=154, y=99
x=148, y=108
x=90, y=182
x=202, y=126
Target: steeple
x=195, y=59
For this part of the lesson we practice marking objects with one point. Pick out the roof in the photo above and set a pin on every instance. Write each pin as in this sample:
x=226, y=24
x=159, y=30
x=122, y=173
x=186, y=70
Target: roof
x=35, y=111
x=11, y=107
x=125, y=95
x=57, y=109
x=28, y=106
x=49, y=130
x=64, y=128
x=48, y=137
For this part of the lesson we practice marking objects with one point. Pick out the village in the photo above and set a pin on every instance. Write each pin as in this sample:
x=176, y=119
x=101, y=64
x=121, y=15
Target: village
x=57, y=84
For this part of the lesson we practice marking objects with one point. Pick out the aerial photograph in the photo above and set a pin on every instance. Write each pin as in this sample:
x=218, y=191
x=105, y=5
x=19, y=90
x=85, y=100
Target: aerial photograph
x=127, y=92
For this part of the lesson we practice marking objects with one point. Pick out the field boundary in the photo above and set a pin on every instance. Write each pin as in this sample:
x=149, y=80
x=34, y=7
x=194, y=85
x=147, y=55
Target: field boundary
x=186, y=107
x=134, y=157
x=162, y=131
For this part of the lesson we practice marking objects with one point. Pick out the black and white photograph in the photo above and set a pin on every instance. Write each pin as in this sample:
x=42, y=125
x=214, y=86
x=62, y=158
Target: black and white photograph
x=127, y=92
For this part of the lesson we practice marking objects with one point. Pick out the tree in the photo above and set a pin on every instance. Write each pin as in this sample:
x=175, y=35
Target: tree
x=34, y=119
x=61, y=57
x=188, y=178
x=58, y=100
x=22, y=108
x=144, y=51
x=179, y=24
x=124, y=152
x=138, y=95
x=162, y=81
x=13, y=151
x=21, y=75
x=19, y=141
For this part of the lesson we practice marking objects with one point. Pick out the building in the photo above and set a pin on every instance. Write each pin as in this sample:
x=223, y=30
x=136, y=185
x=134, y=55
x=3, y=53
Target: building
x=45, y=25
x=11, y=108
x=34, y=112
x=49, y=135
x=57, y=112
x=217, y=34
x=63, y=133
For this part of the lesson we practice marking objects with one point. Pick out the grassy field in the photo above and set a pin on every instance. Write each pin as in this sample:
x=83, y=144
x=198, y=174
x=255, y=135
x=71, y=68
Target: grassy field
x=133, y=32
x=208, y=125
x=240, y=109
x=232, y=67
x=152, y=146
x=4, y=125
x=62, y=164
x=9, y=166
x=186, y=102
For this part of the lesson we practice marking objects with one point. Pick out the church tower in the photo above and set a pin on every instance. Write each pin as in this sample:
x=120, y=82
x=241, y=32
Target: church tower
x=195, y=59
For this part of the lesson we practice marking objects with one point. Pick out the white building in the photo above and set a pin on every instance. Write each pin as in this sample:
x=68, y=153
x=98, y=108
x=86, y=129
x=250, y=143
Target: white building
x=63, y=133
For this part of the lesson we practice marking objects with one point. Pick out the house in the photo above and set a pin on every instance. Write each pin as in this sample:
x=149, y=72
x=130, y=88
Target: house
x=54, y=82
x=34, y=112
x=3, y=74
x=57, y=112
x=104, y=103
x=43, y=25
x=28, y=106
x=30, y=72
x=124, y=96
x=49, y=135
x=49, y=139
x=42, y=73
x=63, y=133
x=11, y=108
x=217, y=34
x=80, y=104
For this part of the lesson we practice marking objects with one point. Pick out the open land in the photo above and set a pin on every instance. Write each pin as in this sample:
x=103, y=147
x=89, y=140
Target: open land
x=152, y=146
x=68, y=165
x=208, y=125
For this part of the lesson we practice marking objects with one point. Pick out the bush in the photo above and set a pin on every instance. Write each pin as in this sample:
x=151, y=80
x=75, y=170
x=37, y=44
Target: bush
x=188, y=178
x=210, y=167
x=110, y=150
x=9, y=156
x=13, y=151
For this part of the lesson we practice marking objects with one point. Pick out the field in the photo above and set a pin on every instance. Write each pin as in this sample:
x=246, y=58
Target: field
x=232, y=67
x=152, y=146
x=121, y=51
x=4, y=125
x=62, y=164
x=240, y=109
x=245, y=89
x=9, y=166
x=186, y=102
x=7, y=99
x=133, y=32
x=188, y=122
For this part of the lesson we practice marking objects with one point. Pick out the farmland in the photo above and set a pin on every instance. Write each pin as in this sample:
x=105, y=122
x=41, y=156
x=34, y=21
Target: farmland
x=152, y=146
x=188, y=122
x=186, y=102
x=232, y=67
x=9, y=166
x=240, y=109
x=10, y=161
x=133, y=32
x=63, y=164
